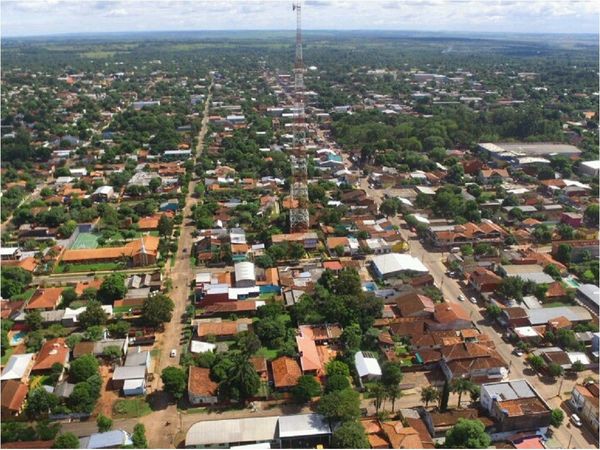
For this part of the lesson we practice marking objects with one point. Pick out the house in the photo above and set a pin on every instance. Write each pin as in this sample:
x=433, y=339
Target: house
x=245, y=274
x=137, y=357
x=446, y=236
x=54, y=351
x=13, y=398
x=574, y=314
x=367, y=366
x=394, y=264
x=590, y=168
x=412, y=304
x=286, y=372
x=103, y=194
x=584, y=401
x=309, y=240
x=474, y=361
x=572, y=219
x=589, y=296
x=484, y=280
x=45, y=299
x=449, y=316
x=516, y=406
x=131, y=379
x=514, y=317
x=527, y=272
x=18, y=367
x=201, y=389
x=493, y=176
x=140, y=252
x=222, y=329
x=108, y=439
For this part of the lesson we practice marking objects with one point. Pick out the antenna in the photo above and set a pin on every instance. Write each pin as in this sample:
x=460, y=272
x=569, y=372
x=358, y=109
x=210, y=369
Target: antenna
x=299, y=218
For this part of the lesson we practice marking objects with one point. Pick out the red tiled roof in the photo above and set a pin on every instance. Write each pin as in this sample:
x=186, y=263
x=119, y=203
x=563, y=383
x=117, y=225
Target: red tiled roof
x=199, y=382
x=45, y=298
x=13, y=395
x=286, y=372
x=52, y=352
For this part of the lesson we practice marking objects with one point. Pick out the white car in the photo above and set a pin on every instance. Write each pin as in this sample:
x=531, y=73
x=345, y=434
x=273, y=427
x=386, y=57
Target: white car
x=576, y=420
x=473, y=300
x=461, y=298
x=173, y=353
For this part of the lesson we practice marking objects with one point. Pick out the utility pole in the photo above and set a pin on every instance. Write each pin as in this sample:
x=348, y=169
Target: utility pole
x=299, y=218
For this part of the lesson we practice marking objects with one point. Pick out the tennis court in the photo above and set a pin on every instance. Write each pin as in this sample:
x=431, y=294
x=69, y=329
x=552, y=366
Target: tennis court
x=85, y=240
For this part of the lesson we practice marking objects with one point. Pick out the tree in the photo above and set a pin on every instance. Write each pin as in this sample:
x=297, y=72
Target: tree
x=157, y=309
x=84, y=367
x=112, y=288
x=555, y=370
x=174, y=380
x=511, y=288
x=350, y=435
x=556, y=417
x=270, y=330
x=340, y=405
x=460, y=386
x=104, y=423
x=306, y=388
x=565, y=231
x=14, y=280
x=429, y=394
x=83, y=398
x=493, y=311
x=119, y=329
x=390, y=206
x=40, y=403
x=94, y=333
x=247, y=342
x=591, y=214
x=93, y=315
x=553, y=271
x=242, y=381
x=138, y=437
x=536, y=362
x=66, y=440
x=391, y=374
x=563, y=253
x=467, y=434
x=351, y=337
x=337, y=367
x=154, y=184
x=34, y=320
x=165, y=226
x=68, y=296
x=577, y=366
x=337, y=382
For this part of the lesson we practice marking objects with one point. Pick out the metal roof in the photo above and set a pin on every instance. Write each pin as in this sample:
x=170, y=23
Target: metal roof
x=249, y=429
x=244, y=271
x=109, y=439
x=129, y=373
x=509, y=390
x=544, y=315
x=303, y=425
x=16, y=367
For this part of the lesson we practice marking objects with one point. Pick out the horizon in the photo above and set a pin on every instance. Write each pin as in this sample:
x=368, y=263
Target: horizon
x=48, y=18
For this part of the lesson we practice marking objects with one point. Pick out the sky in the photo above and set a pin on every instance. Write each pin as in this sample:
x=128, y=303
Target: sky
x=46, y=17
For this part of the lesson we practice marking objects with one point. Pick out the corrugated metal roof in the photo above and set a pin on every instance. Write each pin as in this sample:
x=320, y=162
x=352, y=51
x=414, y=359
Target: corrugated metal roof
x=303, y=425
x=250, y=429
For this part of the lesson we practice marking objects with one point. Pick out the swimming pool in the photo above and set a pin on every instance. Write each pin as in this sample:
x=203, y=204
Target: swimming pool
x=369, y=286
x=571, y=281
x=17, y=338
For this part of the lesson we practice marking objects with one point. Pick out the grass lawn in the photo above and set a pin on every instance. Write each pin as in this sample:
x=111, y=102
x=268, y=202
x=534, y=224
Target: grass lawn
x=7, y=355
x=89, y=267
x=25, y=296
x=267, y=353
x=155, y=353
x=131, y=408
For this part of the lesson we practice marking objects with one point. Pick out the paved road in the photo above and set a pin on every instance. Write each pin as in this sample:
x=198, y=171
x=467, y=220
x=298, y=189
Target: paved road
x=548, y=388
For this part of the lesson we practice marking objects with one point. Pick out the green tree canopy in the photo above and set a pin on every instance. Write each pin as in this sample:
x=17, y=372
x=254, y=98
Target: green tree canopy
x=467, y=434
x=350, y=434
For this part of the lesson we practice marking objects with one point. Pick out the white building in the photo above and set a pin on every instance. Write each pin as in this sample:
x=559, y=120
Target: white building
x=393, y=264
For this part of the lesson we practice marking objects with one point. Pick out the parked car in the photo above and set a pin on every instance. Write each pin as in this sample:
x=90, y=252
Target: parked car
x=576, y=420
x=518, y=352
x=173, y=353
x=473, y=300
x=461, y=298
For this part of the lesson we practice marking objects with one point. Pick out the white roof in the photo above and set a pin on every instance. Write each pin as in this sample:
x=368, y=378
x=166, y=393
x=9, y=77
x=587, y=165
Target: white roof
x=248, y=429
x=104, y=190
x=396, y=262
x=203, y=277
x=592, y=164
x=366, y=365
x=235, y=293
x=421, y=219
x=244, y=271
x=260, y=445
x=8, y=251
x=405, y=201
x=303, y=425
x=579, y=356
x=526, y=332
x=201, y=347
x=129, y=385
x=16, y=367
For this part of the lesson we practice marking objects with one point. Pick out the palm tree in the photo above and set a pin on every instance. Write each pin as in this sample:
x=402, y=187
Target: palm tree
x=475, y=392
x=242, y=378
x=460, y=386
x=393, y=392
x=379, y=393
x=429, y=394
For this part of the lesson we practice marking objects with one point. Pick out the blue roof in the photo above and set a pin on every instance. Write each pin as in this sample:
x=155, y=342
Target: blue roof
x=108, y=439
